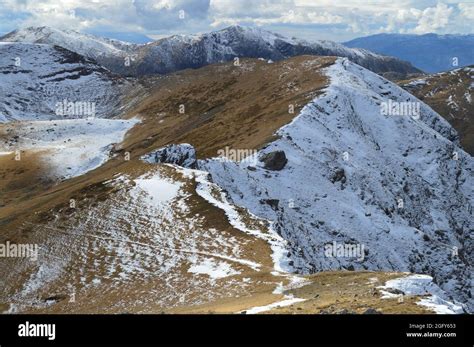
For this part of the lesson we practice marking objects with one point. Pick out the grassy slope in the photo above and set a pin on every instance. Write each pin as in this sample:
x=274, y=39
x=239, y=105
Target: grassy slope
x=436, y=93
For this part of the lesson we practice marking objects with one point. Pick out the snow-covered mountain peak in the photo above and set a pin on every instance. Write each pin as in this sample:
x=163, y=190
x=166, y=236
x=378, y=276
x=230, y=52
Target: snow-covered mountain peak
x=251, y=32
x=88, y=45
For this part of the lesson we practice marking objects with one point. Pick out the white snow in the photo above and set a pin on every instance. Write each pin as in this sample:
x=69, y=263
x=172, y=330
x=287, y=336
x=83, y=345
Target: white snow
x=69, y=148
x=157, y=189
x=436, y=299
x=277, y=243
x=45, y=77
x=213, y=269
x=417, y=82
x=452, y=103
x=288, y=301
x=87, y=45
x=468, y=97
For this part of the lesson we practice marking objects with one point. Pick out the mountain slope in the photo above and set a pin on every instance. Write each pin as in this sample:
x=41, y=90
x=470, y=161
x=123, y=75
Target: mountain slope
x=138, y=234
x=38, y=82
x=131, y=236
x=413, y=48
x=355, y=176
x=450, y=94
x=182, y=52
x=90, y=46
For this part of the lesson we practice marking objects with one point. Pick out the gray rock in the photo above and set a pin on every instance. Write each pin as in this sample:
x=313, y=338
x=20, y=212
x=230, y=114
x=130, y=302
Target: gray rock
x=339, y=175
x=274, y=161
x=273, y=203
x=182, y=155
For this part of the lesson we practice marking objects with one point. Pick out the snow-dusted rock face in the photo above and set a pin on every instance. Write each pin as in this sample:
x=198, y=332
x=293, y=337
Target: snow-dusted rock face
x=183, y=155
x=396, y=189
x=42, y=82
x=87, y=45
x=181, y=51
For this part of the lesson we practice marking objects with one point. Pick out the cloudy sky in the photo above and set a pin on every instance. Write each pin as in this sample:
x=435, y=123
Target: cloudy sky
x=338, y=20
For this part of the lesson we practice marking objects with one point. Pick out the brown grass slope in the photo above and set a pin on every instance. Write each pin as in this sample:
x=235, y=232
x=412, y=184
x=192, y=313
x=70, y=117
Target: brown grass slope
x=451, y=94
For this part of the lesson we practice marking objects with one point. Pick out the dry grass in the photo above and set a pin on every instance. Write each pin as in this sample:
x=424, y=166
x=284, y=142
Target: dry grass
x=436, y=94
x=239, y=107
x=336, y=292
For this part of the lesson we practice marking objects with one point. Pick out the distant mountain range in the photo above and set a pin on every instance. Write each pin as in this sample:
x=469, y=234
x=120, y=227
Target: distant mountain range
x=430, y=53
x=193, y=51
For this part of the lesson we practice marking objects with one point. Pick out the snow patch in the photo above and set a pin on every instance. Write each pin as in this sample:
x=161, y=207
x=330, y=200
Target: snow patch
x=288, y=301
x=157, y=189
x=213, y=269
x=70, y=147
x=436, y=299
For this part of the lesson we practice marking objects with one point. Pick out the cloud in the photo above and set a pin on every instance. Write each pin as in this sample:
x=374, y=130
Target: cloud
x=268, y=12
x=467, y=10
x=330, y=19
x=433, y=18
x=132, y=15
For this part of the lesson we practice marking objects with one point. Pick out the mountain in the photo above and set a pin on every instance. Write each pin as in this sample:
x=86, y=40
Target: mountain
x=123, y=36
x=181, y=52
x=38, y=81
x=430, y=52
x=356, y=176
x=87, y=45
x=226, y=194
x=450, y=94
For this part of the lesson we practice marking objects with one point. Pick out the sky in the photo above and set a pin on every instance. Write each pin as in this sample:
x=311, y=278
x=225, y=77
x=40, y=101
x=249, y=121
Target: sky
x=338, y=20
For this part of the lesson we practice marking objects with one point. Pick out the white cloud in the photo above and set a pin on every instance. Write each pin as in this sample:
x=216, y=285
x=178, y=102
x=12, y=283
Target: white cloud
x=434, y=18
x=331, y=19
x=467, y=10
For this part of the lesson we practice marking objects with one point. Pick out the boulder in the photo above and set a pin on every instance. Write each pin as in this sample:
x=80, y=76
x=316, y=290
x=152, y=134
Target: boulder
x=274, y=161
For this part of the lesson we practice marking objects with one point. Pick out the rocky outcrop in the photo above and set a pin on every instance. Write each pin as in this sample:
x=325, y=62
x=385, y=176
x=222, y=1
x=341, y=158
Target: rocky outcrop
x=183, y=155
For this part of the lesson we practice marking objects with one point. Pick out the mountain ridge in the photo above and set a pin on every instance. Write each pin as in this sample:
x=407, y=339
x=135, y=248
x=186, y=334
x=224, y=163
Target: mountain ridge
x=192, y=51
